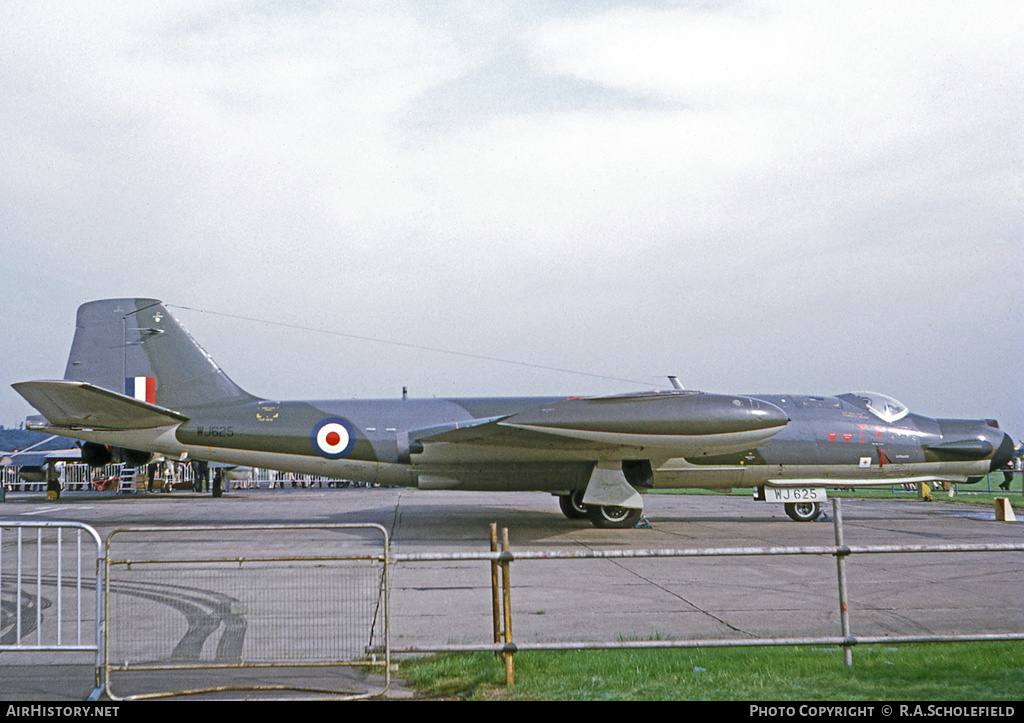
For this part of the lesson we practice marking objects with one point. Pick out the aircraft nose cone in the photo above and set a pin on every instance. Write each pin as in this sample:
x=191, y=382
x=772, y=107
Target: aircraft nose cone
x=1003, y=454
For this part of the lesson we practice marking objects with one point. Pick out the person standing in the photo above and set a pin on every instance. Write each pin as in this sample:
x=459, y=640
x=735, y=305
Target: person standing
x=1007, y=476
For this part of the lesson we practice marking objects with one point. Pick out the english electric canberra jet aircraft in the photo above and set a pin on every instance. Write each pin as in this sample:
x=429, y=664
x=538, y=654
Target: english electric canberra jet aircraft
x=137, y=382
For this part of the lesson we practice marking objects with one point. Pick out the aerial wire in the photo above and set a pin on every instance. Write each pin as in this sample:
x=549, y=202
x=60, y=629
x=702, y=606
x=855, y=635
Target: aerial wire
x=407, y=345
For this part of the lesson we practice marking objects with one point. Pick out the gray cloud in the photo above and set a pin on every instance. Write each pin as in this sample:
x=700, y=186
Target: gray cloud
x=754, y=196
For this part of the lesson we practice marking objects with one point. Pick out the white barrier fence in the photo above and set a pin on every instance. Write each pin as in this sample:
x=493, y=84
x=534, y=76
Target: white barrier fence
x=51, y=585
x=75, y=477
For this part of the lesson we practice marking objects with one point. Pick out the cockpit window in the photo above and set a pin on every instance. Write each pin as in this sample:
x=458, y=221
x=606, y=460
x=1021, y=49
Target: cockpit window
x=885, y=408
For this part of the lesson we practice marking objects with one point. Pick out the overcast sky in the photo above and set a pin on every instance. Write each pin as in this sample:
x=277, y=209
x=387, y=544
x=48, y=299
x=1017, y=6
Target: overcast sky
x=798, y=197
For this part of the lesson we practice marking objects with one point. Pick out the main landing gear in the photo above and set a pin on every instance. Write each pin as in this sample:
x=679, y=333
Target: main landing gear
x=572, y=505
x=613, y=517
x=604, y=516
x=803, y=511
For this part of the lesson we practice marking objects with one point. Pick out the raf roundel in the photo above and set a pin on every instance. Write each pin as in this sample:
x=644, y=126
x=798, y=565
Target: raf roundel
x=333, y=438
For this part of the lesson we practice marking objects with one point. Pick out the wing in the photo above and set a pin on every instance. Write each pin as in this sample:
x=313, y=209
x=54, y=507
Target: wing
x=675, y=423
x=78, y=405
x=493, y=433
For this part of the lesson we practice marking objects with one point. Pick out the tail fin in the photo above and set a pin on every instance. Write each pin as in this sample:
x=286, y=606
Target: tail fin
x=136, y=347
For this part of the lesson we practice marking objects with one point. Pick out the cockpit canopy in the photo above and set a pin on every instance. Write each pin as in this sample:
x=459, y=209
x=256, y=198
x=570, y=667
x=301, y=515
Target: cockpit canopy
x=884, y=407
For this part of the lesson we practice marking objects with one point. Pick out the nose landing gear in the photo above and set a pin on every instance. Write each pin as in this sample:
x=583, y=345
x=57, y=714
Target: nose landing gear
x=803, y=511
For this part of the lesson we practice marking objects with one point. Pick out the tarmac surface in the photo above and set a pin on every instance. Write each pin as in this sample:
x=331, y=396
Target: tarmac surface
x=437, y=603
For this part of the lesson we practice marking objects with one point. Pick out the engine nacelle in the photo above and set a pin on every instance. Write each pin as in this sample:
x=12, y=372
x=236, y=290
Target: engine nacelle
x=135, y=457
x=33, y=474
x=99, y=455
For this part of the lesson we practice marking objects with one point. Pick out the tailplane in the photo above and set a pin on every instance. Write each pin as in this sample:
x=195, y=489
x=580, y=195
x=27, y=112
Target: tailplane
x=136, y=347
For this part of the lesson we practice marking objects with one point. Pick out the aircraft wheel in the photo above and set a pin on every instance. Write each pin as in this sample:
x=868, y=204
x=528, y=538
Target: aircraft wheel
x=572, y=505
x=613, y=517
x=803, y=511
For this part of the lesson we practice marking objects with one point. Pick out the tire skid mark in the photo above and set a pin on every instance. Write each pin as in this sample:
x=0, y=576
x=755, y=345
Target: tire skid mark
x=205, y=611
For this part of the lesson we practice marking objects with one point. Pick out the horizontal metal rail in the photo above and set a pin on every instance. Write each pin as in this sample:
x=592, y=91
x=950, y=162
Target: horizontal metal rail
x=831, y=550
x=243, y=560
x=699, y=643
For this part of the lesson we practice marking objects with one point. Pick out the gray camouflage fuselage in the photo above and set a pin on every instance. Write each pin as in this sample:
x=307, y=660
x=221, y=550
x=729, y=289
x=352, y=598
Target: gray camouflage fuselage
x=136, y=379
x=195, y=411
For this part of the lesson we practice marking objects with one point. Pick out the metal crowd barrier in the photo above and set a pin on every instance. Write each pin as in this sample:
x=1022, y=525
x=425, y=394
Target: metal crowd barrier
x=205, y=600
x=50, y=578
x=197, y=599
x=504, y=645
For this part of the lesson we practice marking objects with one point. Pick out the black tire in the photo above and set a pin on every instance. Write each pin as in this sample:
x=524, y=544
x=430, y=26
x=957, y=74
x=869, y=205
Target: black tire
x=613, y=517
x=572, y=505
x=803, y=511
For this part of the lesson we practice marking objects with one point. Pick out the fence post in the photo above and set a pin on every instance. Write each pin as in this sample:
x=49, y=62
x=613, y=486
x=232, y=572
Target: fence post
x=844, y=600
x=495, y=595
x=102, y=582
x=507, y=605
